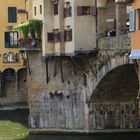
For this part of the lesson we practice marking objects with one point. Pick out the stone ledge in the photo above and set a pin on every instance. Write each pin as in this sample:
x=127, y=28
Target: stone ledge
x=71, y=131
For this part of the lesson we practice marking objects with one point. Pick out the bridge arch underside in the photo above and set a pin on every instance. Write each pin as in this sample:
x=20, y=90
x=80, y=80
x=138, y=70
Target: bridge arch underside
x=113, y=103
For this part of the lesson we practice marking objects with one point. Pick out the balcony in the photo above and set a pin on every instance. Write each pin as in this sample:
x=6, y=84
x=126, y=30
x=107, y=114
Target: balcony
x=123, y=1
x=31, y=35
x=30, y=45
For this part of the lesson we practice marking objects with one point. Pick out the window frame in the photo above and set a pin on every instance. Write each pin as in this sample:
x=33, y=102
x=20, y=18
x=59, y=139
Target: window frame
x=12, y=14
x=10, y=41
x=55, y=8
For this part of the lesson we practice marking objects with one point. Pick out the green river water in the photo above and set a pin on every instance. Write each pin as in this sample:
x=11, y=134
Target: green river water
x=13, y=126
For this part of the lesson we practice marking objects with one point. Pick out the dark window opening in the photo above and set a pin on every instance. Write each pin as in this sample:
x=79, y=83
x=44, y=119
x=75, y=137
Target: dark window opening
x=9, y=74
x=55, y=8
x=40, y=9
x=86, y=10
x=12, y=14
x=35, y=11
x=54, y=36
x=50, y=37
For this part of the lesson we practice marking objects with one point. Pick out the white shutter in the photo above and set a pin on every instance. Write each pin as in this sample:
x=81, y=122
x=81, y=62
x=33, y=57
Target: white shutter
x=132, y=21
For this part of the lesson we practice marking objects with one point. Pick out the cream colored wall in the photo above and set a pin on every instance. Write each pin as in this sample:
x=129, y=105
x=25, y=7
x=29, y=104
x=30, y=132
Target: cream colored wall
x=84, y=27
x=4, y=4
x=101, y=3
x=29, y=8
x=69, y=45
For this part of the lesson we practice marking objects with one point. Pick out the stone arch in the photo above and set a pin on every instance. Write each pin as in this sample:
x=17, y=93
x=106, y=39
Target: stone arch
x=104, y=70
x=115, y=106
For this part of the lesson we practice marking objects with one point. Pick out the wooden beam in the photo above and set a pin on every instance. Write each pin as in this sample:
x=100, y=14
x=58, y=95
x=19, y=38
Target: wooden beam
x=61, y=69
x=90, y=67
x=55, y=66
x=27, y=63
x=73, y=66
x=47, y=71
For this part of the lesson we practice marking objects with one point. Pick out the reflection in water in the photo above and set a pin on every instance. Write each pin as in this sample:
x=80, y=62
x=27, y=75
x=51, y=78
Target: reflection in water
x=13, y=126
x=86, y=137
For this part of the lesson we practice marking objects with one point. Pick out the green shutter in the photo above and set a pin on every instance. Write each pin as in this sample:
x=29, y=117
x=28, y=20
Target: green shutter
x=7, y=40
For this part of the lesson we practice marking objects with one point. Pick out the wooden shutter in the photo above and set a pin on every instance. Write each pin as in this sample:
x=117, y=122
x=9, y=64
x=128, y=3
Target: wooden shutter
x=7, y=39
x=79, y=10
x=59, y=36
x=64, y=12
x=51, y=37
x=69, y=33
x=93, y=11
x=132, y=21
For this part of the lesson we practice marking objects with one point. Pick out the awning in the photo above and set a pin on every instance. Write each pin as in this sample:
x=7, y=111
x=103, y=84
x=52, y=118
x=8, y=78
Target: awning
x=135, y=54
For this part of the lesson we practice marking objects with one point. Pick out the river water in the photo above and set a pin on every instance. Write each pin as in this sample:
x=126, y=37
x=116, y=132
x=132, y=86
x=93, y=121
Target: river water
x=13, y=126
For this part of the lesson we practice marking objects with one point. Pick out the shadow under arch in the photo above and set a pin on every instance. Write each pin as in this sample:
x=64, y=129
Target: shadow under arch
x=9, y=74
x=113, y=103
x=22, y=78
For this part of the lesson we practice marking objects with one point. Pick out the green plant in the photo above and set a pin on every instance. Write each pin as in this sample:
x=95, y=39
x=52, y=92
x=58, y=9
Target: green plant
x=25, y=32
x=34, y=27
x=37, y=27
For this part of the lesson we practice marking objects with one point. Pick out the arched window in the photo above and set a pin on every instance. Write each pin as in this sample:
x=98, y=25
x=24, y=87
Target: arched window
x=11, y=57
x=5, y=58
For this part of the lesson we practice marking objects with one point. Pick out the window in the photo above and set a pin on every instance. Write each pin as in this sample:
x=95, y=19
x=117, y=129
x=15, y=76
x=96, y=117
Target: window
x=86, y=10
x=54, y=36
x=68, y=35
x=10, y=57
x=67, y=10
x=40, y=9
x=12, y=14
x=55, y=8
x=51, y=37
x=11, y=39
x=35, y=11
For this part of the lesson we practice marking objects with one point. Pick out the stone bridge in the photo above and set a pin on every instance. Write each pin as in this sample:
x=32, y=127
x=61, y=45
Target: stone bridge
x=65, y=104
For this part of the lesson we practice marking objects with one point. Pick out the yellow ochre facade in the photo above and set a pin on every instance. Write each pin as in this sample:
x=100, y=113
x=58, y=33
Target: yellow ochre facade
x=12, y=13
